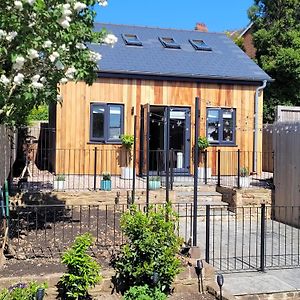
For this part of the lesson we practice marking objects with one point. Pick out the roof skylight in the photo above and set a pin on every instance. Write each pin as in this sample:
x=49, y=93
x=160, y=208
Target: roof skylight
x=169, y=42
x=131, y=39
x=200, y=45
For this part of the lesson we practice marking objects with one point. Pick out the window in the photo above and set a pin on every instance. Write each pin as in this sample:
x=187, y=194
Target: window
x=168, y=42
x=106, y=122
x=132, y=40
x=220, y=126
x=200, y=45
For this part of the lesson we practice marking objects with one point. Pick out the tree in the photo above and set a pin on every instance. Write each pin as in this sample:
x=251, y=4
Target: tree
x=277, y=40
x=43, y=43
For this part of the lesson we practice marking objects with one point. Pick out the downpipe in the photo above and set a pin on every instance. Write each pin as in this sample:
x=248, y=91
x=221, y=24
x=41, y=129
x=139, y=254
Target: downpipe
x=256, y=129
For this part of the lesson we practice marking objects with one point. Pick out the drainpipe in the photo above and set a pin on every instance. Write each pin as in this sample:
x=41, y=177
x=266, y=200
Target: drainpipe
x=256, y=129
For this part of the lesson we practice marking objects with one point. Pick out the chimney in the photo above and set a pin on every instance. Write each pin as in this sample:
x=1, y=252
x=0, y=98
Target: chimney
x=201, y=27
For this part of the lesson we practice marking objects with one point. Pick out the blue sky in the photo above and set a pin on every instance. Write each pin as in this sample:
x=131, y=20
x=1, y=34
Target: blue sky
x=218, y=15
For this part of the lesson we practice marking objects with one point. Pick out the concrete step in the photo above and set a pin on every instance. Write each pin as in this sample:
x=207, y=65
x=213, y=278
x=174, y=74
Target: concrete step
x=203, y=196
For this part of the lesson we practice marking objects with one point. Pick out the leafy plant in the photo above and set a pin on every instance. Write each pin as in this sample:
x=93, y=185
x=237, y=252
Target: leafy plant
x=244, y=172
x=202, y=143
x=106, y=176
x=154, y=178
x=22, y=291
x=60, y=177
x=83, y=271
x=152, y=245
x=127, y=140
x=39, y=113
x=144, y=292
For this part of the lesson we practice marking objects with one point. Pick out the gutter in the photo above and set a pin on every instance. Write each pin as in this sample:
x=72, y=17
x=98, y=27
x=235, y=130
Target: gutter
x=256, y=129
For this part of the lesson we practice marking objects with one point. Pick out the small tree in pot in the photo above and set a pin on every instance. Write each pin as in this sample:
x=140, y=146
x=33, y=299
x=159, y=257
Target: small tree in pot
x=106, y=182
x=154, y=183
x=127, y=142
x=244, y=177
x=203, y=144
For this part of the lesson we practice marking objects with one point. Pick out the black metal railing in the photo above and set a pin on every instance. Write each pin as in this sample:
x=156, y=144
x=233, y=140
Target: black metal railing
x=231, y=239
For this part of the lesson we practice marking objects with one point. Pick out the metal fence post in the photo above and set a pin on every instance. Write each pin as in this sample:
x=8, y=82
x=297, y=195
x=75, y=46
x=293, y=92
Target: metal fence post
x=207, y=233
x=262, y=237
x=239, y=169
x=95, y=169
x=219, y=167
x=134, y=160
x=196, y=150
x=205, y=166
x=172, y=169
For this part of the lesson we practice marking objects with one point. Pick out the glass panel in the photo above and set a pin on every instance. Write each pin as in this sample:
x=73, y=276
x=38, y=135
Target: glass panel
x=213, y=125
x=227, y=126
x=98, y=121
x=131, y=38
x=114, y=133
x=177, y=115
x=114, y=116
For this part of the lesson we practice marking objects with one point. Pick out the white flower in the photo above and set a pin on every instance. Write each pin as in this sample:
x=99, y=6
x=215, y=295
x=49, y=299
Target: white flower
x=3, y=33
x=32, y=54
x=35, y=78
x=19, y=63
x=47, y=44
x=11, y=35
x=37, y=85
x=103, y=2
x=63, y=47
x=19, y=78
x=70, y=73
x=66, y=12
x=110, y=39
x=4, y=80
x=18, y=5
x=78, y=6
x=30, y=2
x=64, y=23
x=80, y=46
x=59, y=98
x=66, y=6
x=43, y=79
x=63, y=80
x=54, y=56
x=94, y=56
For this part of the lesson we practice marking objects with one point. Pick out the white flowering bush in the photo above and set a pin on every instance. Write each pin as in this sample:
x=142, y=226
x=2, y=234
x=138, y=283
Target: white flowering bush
x=43, y=43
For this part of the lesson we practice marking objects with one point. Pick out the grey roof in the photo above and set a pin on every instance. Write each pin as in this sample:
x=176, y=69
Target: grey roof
x=225, y=61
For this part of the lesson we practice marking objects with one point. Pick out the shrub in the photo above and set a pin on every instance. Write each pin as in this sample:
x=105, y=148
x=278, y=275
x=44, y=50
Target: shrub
x=83, y=271
x=21, y=291
x=154, y=178
x=152, y=245
x=202, y=143
x=144, y=293
x=244, y=172
x=39, y=113
x=127, y=140
x=106, y=176
x=60, y=177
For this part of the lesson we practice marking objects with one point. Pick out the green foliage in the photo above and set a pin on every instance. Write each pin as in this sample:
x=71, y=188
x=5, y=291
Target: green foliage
x=276, y=35
x=152, y=246
x=21, y=291
x=60, y=177
x=203, y=143
x=106, y=176
x=154, y=178
x=42, y=45
x=144, y=293
x=127, y=140
x=83, y=271
x=39, y=113
x=244, y=172
x=238, y=40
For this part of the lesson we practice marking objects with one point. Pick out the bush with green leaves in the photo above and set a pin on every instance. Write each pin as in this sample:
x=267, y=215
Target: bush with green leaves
x=152, y=246
x=144, y=292
x=83, y=272
x=202, y=143
x=22, y=291
x=127, y=140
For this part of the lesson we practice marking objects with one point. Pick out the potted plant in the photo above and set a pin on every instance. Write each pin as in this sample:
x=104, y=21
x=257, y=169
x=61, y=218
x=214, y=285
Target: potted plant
x=154, y=183
x=203, y=144
x=105, y=183
x=244, y=177
x=127, y=142
x=59, y=182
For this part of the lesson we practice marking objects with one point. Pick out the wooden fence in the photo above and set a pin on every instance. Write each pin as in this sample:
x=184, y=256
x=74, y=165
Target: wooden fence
x=7, y=154
x=286, y=143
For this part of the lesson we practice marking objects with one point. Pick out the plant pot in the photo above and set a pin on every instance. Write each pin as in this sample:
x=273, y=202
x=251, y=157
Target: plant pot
x=154, y=185
x=244, y=182
x=58, y=185
x=201, y=173
x=105, y=185
x=126, y=173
